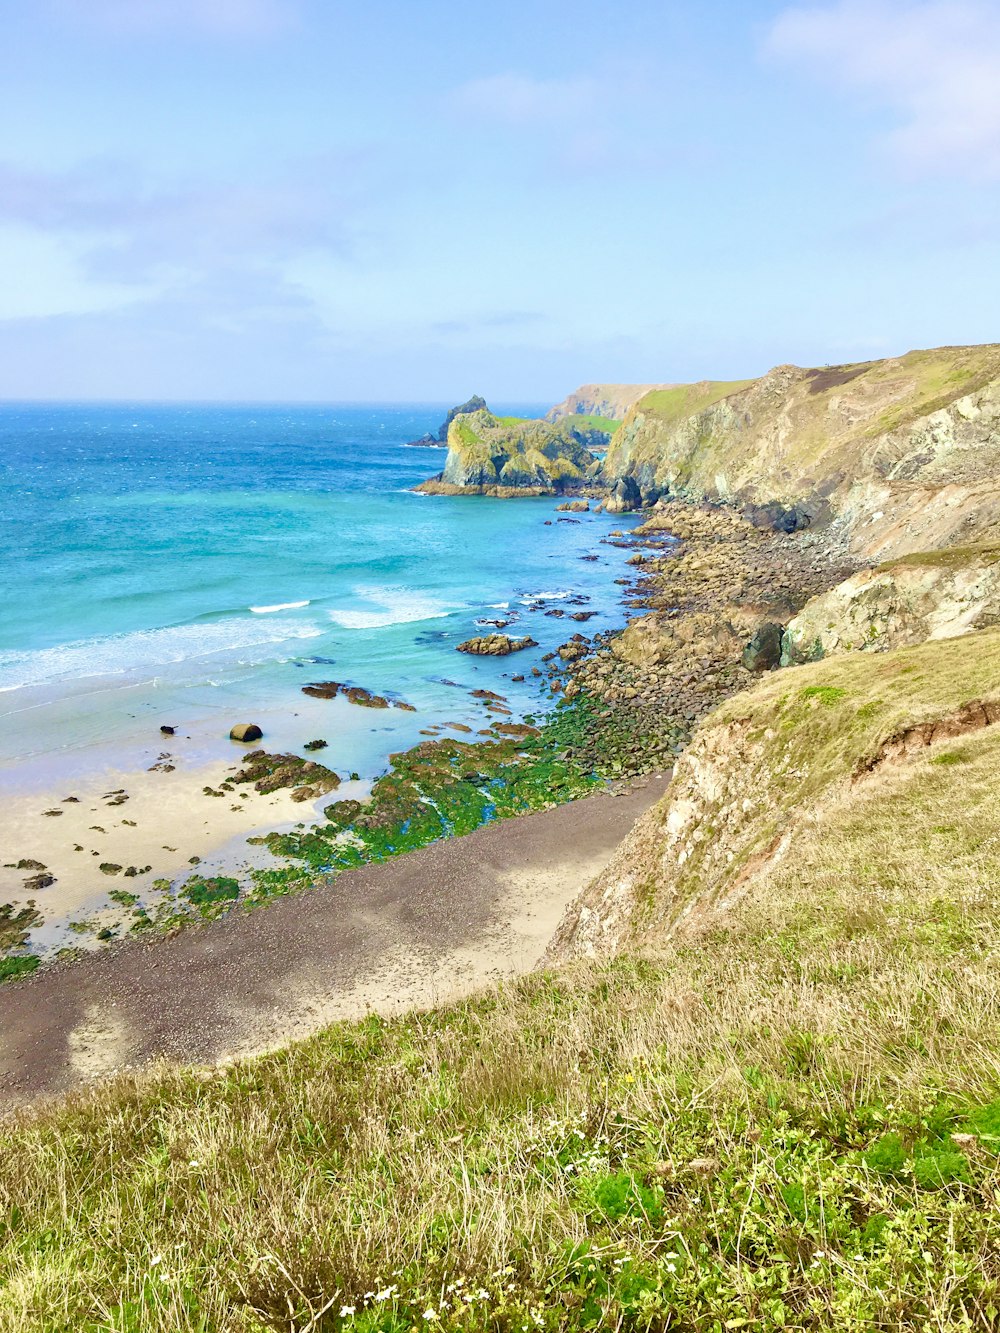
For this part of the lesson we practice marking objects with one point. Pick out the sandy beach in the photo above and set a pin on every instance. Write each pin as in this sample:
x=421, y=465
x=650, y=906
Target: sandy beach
x=90, y=837
x=424, y=927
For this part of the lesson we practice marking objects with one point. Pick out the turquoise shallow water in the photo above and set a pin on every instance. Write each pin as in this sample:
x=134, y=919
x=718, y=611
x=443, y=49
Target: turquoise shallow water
x=196, y=565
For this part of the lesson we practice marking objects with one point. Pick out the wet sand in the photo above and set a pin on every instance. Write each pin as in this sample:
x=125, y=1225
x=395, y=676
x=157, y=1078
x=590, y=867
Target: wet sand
x=425, y=927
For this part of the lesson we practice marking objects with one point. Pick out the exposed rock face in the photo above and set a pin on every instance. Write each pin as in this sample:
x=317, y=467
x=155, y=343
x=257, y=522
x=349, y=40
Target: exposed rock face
x=905, y=452
x=763, y=652
x=495, y=645
x=624, y=498
x=473, y=404
x=489, y=455
x=601, y=400
x=935, y=595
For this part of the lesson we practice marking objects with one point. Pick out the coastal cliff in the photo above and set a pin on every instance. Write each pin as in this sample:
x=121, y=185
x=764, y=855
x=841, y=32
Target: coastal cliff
x=903, y=454
x=789, y=767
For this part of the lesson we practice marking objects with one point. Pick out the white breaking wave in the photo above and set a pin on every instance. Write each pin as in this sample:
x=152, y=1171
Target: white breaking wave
x=498, y=606
x=389, y=606
x=278, y=606
x=545, y=596
x=144, y=650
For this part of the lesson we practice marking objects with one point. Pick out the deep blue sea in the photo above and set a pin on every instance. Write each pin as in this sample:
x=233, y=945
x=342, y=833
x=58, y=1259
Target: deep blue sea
x=196, y=565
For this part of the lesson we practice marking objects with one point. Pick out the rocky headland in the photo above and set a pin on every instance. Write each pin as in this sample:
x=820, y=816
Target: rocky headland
x=610, y=401
x=507, y=457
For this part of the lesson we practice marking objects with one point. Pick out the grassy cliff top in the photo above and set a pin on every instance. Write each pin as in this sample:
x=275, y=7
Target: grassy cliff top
x=687, y=400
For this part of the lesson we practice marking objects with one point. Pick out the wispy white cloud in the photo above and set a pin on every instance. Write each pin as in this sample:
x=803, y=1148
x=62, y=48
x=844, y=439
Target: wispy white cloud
x=225, y=18
x=935, y=64
x=129, y=229
x=586, y=125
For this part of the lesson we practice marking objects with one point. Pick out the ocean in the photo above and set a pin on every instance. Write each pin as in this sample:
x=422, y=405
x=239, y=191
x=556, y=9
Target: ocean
x=195, y=565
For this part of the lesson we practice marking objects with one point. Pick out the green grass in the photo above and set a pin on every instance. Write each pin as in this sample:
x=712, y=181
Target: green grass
x=687, y=400
x=585, y=421
x=799, y=740
x=950, y=557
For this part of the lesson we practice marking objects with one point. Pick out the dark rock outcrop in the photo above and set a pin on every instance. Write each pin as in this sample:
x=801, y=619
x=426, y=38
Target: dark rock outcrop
x=763, y=652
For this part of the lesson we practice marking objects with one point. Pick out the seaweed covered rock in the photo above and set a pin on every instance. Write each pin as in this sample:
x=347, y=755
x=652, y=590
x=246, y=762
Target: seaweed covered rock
x=495, y=645
x=272, y=772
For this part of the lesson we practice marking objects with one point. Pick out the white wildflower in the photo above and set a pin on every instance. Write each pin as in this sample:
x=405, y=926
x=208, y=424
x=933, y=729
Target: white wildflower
x=346, y=1311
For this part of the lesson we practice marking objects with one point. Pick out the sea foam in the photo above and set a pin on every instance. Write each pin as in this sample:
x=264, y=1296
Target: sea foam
x=144, y=650
x=389, y=606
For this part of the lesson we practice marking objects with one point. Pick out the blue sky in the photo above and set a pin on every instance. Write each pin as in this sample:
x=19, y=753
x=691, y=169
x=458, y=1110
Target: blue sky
x=309, y=199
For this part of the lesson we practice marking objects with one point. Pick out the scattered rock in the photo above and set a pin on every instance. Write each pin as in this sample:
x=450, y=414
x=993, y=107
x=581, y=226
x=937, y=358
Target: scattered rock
x=41, y=881
x=168, y=731
x=315, y=745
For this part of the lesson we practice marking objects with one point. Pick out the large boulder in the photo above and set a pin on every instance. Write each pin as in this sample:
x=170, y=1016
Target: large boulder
x=625, y=496
x=245, y=732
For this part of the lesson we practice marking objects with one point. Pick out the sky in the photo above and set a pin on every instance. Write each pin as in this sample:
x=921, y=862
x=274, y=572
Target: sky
x=399, y=201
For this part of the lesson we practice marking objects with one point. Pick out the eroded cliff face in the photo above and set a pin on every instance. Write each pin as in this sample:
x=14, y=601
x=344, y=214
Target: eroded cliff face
x=769, y=768
x=933, y=595
x=904, y=454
